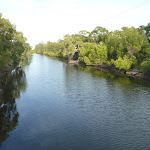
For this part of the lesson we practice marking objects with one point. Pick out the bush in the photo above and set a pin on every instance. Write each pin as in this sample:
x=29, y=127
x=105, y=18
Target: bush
x=125, y=62
x=146, y=66
x=111, y=63
x=87, y=61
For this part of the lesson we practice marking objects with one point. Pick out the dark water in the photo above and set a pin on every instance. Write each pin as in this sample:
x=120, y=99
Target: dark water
x=50, y=105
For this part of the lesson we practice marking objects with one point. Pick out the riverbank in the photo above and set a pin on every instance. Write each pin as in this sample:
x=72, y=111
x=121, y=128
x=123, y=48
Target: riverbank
x=130, y=72
x=12, y=65
x=9, y=69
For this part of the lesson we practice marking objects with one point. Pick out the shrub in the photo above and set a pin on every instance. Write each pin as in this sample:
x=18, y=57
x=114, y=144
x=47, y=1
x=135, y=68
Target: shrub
x=87, y=61
x=146, y=66
x=125, y=62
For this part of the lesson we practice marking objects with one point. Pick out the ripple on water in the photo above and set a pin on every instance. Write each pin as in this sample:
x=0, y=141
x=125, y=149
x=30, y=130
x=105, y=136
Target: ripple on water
x=67, y=108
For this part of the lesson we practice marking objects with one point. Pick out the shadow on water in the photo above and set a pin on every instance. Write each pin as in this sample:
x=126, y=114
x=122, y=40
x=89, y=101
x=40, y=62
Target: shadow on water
x=113, y=76
x=26, y=61
x=57, y=58
x=11, y=86
x=77, y=108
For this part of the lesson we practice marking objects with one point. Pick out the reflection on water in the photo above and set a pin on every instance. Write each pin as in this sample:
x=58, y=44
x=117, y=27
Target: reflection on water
x=116, y=107
x=114, y=76
x=67, y=107
x=26, y=61
x=11, y=85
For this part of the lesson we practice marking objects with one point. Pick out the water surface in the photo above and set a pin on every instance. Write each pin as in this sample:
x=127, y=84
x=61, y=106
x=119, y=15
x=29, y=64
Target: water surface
x=52, y=105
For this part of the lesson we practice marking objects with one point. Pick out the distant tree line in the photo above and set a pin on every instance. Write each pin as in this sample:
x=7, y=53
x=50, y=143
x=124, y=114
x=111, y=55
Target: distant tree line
x=13, y=45
x=126, y=48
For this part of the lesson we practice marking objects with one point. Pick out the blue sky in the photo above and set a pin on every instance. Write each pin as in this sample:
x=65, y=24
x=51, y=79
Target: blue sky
x=50, y=20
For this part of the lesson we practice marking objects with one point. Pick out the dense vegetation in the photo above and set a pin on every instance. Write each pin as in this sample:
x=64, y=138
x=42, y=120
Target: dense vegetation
x=13, y=45
x=126, y=48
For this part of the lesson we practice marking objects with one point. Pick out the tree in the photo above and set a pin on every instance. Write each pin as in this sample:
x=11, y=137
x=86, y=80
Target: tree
x=147, y=29
x=146, y=66
x=99, y=34
x=12, y=44
x=84, y=35
x=93, y=54
x=98, y=54
x=125, y=62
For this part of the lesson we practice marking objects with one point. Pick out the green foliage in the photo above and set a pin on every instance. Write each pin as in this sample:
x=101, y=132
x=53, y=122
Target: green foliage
x=125, y=62
x=125, y=48
x=63, y=48
x=87, y=61
x=84, y=35
x=147, y=30
x=110, y=63
x=144, y=54
x=146, y=66
x=98, y=34
x=98, y=53
x=12, y=44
